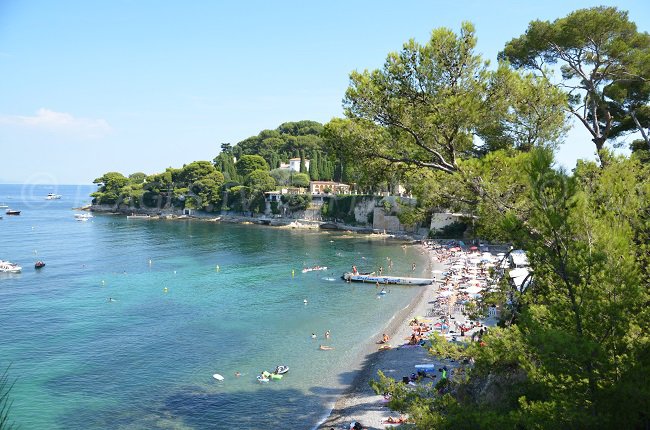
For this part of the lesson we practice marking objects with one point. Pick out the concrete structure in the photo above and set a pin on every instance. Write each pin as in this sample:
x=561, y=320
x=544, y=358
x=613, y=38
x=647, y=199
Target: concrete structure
x=439, y=220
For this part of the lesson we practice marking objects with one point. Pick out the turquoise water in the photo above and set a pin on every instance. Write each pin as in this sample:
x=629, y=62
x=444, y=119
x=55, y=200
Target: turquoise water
x=146, y=359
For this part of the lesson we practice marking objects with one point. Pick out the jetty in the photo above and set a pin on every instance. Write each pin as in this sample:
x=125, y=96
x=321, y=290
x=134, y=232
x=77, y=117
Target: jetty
x=392, y=280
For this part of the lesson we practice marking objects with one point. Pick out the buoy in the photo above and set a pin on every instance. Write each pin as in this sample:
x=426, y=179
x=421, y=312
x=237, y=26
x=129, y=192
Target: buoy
x=165, y=289
x=103, y=283
x=218, y=268
x=174, y=272
x=150, y=262
x=293, y=273
x=305, y=301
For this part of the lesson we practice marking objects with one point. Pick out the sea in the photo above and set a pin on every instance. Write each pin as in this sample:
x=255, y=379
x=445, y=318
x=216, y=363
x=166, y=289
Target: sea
x=129, y=320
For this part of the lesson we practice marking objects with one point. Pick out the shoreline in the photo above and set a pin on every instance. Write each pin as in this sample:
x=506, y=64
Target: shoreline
x=358, y=402
x=282, y=223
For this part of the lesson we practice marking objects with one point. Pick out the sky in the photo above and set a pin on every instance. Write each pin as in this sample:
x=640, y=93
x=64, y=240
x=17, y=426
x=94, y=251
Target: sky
x=88, y=87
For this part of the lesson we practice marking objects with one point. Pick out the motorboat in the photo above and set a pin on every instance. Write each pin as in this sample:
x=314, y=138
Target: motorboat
x=52, y=196
x=7, y=267
x=281, y=370
x=12, y=212
x=39, y=264
x=83, y=217
x=138, y=216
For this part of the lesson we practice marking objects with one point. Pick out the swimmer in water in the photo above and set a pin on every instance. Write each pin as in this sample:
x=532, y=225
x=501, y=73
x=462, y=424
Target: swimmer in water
x=325, y=347
x=237, y=374
x=327, y=334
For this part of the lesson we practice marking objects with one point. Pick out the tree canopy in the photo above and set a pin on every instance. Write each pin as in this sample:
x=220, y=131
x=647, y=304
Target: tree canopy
x=604, y=67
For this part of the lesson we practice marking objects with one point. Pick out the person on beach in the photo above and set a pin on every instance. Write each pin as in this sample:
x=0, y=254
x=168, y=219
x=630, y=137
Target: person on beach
x=325, y=348
x=384, y=339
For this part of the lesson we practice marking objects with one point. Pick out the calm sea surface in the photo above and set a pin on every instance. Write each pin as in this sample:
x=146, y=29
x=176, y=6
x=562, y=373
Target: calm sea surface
x=146, y=359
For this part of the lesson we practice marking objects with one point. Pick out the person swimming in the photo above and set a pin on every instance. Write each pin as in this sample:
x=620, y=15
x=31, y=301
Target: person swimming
x=325, y=347
x=313, y=335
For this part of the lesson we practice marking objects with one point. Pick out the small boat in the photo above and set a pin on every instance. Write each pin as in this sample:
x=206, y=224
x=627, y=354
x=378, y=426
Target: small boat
x=3, y=206
x=39, y=264
x=281, y=370
x=7, y=267
x=82, y=217
x=312, y=269
x=134, y=216
x=52, y=196
x=12, y=212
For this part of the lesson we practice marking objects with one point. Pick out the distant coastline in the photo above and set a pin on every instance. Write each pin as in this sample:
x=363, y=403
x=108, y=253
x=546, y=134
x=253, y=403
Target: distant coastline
x=281, y=222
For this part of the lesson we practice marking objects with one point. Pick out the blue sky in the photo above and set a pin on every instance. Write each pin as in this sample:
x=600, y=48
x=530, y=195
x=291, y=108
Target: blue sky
x=88, y=87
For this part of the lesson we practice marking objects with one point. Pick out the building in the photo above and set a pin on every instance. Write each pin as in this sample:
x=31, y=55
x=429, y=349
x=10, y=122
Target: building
x=294, y=165
x=328, y=187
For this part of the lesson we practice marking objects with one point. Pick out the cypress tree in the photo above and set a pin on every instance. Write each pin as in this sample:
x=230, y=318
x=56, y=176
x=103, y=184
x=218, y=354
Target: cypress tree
x=314, y=173
x=303, y=168
x=322, y=168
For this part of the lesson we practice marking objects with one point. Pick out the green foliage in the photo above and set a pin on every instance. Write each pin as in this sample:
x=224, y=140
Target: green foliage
x=300, y=180
x=249, y=163
x=603, y=61
x=296, y=202
x=342, y=207
x=275, y=208
x=110, y=188
x=137, y=178
x=281, y=176
x=303, y=168
x=455, y=230
x=314, y=168
x=424, y=106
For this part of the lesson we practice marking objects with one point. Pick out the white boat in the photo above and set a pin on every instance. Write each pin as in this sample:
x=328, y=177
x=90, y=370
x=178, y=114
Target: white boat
x=82, y=217
x=7, y=267
x=134, y=216
x=52, y=196
x=3, y=206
